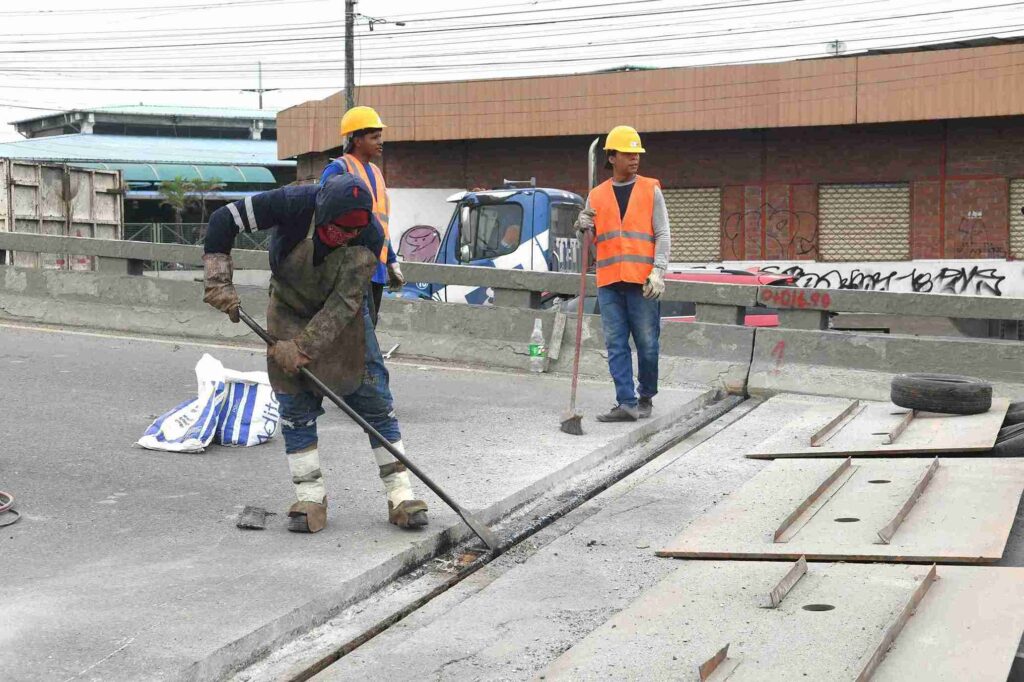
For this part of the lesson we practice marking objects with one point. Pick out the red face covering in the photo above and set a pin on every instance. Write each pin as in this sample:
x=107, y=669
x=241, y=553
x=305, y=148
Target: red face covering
x=344, y=229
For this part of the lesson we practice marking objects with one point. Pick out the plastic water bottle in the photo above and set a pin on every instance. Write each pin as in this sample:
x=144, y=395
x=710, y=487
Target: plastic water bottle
x=537, y=351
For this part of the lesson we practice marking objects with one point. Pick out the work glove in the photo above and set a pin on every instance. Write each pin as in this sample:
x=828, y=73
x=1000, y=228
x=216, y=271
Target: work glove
x=654, y=287
x=585, y=221
x=396, y=280
x=219, y=292
x=288, y=356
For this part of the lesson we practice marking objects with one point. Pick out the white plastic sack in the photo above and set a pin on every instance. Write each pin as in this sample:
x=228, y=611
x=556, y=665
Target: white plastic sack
x=237, y=408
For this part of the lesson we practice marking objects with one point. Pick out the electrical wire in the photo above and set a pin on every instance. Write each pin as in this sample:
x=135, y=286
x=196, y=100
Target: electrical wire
x=119, y=48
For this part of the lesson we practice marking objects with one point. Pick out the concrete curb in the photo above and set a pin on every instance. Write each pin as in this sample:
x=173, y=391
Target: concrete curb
x=258, y=643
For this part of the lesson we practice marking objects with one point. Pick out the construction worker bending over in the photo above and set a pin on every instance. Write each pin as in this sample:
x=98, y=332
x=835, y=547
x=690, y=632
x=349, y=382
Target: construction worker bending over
x=322, y=254
x=627, y=216
x=365, y=142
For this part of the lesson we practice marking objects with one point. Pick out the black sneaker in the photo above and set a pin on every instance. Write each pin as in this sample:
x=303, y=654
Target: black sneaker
x=645, y=407
x=619, y=413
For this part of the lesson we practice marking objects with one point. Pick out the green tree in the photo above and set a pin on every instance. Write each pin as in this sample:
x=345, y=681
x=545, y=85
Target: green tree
x=201, y=190
x=175, y=194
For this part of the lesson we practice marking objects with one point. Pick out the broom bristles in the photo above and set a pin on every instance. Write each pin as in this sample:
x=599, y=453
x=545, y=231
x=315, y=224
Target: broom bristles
x=573, y=425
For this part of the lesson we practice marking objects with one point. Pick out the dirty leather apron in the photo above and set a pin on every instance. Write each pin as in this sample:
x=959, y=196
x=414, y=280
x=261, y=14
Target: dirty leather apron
x=320, y=307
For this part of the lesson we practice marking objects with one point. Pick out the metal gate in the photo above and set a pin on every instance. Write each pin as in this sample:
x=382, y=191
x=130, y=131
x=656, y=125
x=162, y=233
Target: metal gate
x=864, y=222
x=59, y=200
x=1017, y=218
x=695, y=217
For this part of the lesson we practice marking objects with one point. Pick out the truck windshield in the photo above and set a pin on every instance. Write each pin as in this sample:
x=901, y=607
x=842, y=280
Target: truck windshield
x=491, y=230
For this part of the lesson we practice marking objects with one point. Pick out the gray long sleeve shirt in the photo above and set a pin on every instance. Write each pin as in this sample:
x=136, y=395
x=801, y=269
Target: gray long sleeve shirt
x=662, y=234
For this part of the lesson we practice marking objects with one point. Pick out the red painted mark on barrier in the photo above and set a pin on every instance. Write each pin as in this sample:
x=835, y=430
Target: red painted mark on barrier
x=779, y=353
x=796, y=298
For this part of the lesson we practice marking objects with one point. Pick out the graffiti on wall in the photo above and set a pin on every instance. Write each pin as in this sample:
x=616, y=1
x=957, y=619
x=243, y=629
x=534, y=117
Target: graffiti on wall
x=786, y=231
x=419, y=244
x=938, y=278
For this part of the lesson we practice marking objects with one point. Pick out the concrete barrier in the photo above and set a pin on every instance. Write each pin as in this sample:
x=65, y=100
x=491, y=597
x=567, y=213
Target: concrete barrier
x=853, y=365
x=714, y=355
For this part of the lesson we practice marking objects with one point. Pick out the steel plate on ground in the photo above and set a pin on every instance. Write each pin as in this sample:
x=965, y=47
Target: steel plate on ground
x=927, y=433
x=837, y=622
x=952, y=510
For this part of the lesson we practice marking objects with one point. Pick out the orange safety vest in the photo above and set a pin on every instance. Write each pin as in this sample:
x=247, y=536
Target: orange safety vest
x=625, y=246
x=381, y=202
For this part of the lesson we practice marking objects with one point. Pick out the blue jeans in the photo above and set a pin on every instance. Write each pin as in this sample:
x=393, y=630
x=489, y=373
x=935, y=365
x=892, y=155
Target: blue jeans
x=624, y=313
x=372, y=401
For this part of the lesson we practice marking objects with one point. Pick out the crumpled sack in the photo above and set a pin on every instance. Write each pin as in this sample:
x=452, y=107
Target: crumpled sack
x=234, y=408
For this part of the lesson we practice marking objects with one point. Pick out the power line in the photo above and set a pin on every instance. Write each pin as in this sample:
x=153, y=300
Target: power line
x=146, y=9
x=304, y=67
x=648, y=91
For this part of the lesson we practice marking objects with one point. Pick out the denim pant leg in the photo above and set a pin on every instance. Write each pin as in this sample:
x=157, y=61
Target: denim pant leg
x=372, y=400
x=615, y=323
x=299, y=412
x=645, y=327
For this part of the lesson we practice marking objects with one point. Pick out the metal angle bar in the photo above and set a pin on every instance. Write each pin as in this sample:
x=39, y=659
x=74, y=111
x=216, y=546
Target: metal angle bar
x=891, y=437
x=822, y=435
x=832, y=478
x=792, y=577
x=897, y=626
x=885, y=535
x=711, y=665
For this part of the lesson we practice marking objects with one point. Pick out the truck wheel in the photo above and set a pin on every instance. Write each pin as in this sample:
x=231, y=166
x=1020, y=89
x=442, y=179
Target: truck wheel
x=1015, y=415
x=944, y=393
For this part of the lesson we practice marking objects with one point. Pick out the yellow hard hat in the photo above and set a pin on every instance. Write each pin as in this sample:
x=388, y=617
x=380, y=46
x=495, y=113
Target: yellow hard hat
x=360, y=118
x=624, y=139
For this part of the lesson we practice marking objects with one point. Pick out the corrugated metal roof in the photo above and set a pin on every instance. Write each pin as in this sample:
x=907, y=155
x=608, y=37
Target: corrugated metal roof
x=204, y=112
x=135, y=173
x=137, y=149
x=165, y=111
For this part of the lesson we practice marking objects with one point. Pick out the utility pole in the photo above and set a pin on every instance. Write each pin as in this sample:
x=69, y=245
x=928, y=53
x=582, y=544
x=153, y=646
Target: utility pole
x=350, y=54
x=259, y=89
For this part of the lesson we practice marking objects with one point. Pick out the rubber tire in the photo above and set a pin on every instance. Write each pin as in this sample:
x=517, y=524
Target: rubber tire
x=943, y=393
x=1008, y=432
x=1011, y=446
x=1014, y=415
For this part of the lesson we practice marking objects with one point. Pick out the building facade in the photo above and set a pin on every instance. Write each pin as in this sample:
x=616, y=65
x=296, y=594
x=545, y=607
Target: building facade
x=899, y=171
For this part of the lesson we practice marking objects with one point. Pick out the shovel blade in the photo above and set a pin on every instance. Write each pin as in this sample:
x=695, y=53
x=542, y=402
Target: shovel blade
x=483, y=532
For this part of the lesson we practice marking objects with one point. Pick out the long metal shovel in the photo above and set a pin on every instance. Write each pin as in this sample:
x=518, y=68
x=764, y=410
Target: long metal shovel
x=482, y=531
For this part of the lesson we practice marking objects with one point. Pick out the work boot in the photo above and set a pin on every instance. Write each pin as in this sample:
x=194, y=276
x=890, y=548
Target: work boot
x=309, y=513
x=307, y=517
x=645, y=407
x=620, y=413
x=404, y=510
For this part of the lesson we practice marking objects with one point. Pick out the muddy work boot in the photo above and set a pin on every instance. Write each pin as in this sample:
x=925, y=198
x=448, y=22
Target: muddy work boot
x=309, y=514
x=620, y=413
x=404, y=510
x=645, y=408
x=307, y=517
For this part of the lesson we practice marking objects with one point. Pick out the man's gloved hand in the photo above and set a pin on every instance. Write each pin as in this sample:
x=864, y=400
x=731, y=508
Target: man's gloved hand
x=288, y=356
x=654, y=287
x=396, y=280
x=585, y=220
x=219, y=291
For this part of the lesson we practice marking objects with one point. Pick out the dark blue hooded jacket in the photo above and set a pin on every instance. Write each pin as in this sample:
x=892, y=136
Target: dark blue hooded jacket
x=290, y=209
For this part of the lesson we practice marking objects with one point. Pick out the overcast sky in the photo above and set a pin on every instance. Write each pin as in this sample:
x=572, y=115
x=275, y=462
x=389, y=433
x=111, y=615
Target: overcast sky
x=62, y=54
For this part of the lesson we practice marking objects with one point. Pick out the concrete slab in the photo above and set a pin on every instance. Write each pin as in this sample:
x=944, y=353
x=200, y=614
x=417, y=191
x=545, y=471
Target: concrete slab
x=831, y=625
x=827, y=510
x=927, y=433
x=512, y=618
x=127, y=563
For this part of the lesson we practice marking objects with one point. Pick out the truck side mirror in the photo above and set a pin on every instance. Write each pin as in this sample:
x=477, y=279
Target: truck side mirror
x=464, y=253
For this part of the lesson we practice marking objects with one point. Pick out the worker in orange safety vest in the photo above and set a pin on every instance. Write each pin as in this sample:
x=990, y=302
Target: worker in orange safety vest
x=627, y=217
x=363, y=130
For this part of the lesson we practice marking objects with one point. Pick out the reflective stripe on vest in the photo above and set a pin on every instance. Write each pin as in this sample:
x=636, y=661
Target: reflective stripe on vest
x=625, y=245
x=381, y=201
